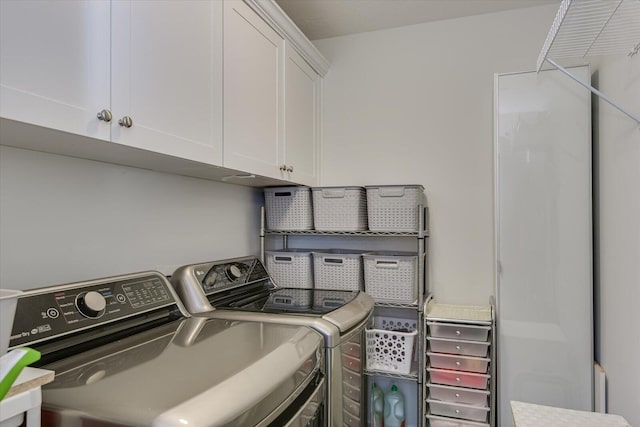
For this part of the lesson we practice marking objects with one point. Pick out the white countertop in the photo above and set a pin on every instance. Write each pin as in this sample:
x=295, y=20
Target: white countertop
x=531, y=415
x=30, y=378
x=22, y=401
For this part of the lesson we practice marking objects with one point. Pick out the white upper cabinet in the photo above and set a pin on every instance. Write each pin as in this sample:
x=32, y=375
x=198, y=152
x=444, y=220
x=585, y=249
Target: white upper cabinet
x=252, y=101
x=270, y=101
x=155, y=63
x=301, y=102
x=222, y=83
x=167, y=77
x=54, y=64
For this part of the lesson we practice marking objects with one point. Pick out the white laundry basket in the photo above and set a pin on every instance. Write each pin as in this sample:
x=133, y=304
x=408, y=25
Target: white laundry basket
x=288, y=208
x=8, y=302
x=390, y=344
x=290, y=268
x=339, y=208
x=394, y=207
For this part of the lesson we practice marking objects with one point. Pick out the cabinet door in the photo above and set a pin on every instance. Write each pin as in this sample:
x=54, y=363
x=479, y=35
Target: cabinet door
x=55, y=64
x=167, y=77
x=301, y=118
x=252, y=107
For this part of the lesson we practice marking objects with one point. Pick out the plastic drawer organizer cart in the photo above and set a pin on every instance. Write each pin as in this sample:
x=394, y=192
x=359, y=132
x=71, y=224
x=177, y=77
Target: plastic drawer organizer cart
x=396, y=280
x=460, y=349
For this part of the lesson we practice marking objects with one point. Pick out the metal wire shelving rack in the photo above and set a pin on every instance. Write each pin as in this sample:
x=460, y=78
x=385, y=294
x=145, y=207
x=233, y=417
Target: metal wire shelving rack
x=421, y=235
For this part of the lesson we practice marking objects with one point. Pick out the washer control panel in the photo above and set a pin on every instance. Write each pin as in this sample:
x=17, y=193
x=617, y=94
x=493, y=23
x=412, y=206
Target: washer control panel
x=60, y=310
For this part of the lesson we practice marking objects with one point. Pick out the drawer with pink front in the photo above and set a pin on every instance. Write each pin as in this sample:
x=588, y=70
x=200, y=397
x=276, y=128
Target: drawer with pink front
x=458, y=378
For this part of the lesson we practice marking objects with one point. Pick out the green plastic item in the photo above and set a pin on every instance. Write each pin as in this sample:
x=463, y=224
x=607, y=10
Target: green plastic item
x=12, y=363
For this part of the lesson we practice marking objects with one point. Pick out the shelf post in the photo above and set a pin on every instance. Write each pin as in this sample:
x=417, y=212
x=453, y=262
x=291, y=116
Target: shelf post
x=262, y=234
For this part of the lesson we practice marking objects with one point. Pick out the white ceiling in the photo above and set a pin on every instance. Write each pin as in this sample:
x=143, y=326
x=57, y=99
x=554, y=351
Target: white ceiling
x=320, y=19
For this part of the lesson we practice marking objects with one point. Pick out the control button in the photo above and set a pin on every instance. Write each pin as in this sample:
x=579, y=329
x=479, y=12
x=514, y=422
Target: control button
x=210, y=279
x=121, y=298
x=96, y=377
x=92, y=374
x=91, y=304
x=233, y=272
x=52, y=313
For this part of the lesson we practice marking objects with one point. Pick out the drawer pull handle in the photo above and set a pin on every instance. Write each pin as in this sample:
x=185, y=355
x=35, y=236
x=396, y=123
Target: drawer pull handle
x=457, y=347
x=458, y=333
x=457, y=411
x=457, y=379
x=457, y=394
x=457, y=363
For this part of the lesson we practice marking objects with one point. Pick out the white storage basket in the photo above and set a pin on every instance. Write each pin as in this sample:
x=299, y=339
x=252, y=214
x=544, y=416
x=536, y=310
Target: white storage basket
x=391, y=276
x=390, y=344
x=288, y=208
x=290, y=268
x=394, y=207
x=339, y=208
x=338, y=269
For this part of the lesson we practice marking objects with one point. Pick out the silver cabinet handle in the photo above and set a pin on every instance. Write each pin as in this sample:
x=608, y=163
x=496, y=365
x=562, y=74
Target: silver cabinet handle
x=283, y=168
x=126, y=121
x=105, y=115
x=289, y=169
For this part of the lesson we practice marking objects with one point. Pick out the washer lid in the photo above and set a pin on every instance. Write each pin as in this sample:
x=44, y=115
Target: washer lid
x=193, y=372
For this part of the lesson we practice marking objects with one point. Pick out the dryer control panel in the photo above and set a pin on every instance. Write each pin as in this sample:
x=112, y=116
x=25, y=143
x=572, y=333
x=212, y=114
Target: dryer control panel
x=47, y=313
x=223, y=275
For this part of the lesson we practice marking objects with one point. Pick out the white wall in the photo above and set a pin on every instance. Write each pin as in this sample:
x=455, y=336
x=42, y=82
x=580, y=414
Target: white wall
x=64, y=219
x=415, y=105
x=617, y=282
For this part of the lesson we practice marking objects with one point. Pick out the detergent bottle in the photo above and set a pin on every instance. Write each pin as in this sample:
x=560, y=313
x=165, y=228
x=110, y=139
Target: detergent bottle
x=394, y=408
x=377, y=406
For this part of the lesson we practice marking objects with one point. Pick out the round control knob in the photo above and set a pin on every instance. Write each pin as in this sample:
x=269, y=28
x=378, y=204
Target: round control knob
x=233, y=272
x=91, y=304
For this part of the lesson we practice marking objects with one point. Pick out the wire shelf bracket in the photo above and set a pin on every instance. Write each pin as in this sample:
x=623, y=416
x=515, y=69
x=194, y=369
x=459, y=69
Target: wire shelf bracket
x=584, y=28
